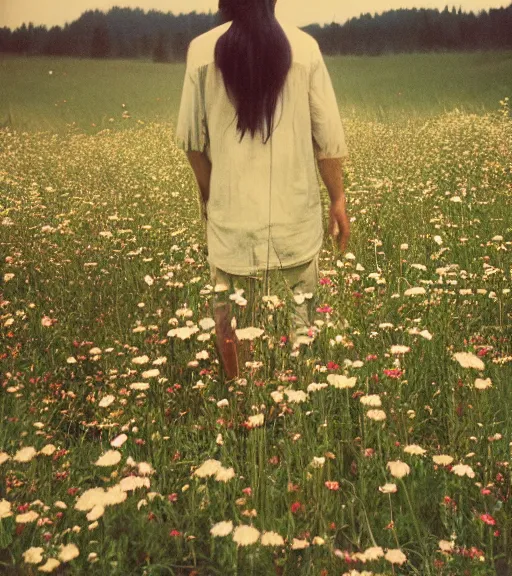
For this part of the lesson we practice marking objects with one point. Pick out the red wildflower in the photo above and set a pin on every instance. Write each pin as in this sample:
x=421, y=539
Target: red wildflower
x=393, y=372
x=174, y=533
x=332, y=485
x=295, y=507
x=476, y=552
x=332, y=366
x=488, y=519
x=450, y=502
x=344, y=555
x=483, y=351
x=324, y=309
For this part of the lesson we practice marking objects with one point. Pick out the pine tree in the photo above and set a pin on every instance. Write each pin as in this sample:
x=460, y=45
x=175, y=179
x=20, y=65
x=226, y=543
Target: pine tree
x=161, y=50
x=100, y=45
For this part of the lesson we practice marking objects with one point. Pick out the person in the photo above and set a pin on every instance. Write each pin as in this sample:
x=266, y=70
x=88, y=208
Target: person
x=257, y=108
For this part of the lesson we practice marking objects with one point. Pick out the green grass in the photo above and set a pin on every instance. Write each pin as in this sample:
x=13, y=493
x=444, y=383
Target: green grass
x=386, y=88
x=103, y=252
x=86, y=94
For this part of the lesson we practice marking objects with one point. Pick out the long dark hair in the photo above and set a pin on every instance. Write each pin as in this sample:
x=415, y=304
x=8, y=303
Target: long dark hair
x=254, y=56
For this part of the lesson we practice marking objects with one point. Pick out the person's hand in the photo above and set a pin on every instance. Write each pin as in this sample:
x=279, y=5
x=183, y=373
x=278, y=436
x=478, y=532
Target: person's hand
x=339, y=225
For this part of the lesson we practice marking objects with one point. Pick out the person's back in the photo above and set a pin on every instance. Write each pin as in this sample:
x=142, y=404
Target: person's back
x=263, y=200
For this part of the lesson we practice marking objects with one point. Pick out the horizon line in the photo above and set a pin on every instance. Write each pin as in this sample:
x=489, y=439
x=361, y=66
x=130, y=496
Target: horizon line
x=325, y=23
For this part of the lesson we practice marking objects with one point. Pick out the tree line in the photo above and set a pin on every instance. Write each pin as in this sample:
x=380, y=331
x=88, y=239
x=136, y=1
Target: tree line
x=164, y=37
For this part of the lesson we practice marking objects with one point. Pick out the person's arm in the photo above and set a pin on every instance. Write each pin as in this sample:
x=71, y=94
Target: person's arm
x=202, y=168
x=329, y=144
x=192, y=128
x=331, y=171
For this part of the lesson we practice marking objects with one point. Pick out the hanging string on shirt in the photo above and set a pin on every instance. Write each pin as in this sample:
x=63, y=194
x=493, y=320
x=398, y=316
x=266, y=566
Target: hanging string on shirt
x=269, y=219
x=267, y=288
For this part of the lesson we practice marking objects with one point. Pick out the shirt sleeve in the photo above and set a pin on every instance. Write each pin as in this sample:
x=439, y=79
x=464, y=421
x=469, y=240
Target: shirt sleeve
x=192, y=127
x=327, y=129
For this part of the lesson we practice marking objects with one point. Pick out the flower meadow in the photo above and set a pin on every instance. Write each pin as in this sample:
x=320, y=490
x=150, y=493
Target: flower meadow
x=379, y=445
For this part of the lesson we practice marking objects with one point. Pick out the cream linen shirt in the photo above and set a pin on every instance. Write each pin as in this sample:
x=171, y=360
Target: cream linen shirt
x=264, y=209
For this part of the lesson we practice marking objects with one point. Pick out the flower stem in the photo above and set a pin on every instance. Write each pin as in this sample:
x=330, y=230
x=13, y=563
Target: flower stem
x=417, y=528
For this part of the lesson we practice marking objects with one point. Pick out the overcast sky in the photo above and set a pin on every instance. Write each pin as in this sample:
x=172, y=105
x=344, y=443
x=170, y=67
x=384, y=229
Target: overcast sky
x=13, y=13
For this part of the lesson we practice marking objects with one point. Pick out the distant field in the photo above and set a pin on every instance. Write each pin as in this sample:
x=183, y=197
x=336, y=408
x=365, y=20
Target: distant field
x=90, y=93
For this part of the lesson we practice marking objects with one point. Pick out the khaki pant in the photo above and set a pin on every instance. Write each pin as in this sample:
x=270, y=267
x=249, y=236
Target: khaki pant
x=298, y=280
